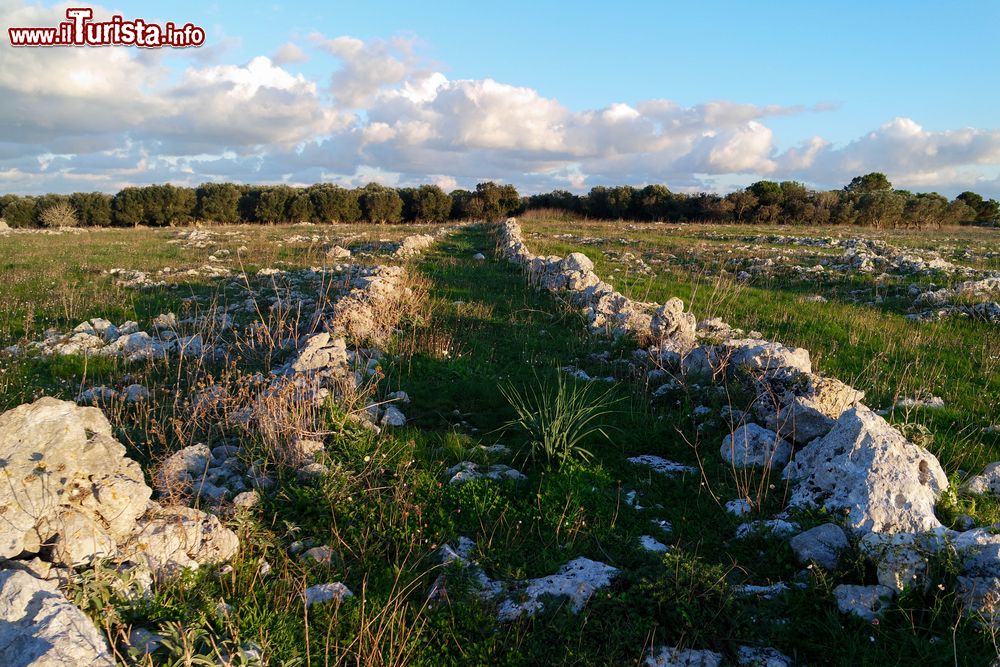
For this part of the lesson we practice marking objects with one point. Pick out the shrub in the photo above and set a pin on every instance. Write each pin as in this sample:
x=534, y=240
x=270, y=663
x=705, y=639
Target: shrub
x=60, y=214
x=558, y=419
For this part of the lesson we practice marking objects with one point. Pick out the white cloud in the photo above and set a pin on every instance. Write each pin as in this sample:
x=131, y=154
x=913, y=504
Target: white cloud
x=289, y=54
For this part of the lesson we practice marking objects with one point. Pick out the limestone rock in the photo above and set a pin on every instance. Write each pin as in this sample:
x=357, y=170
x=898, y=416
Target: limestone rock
x=822, y=545
x=66, y=481
x=761, y=358
x=39, y=627
x=393, y=416
x=577, y=261
x=751, y=656
x=867, y=470
x=170, y=539
x=577, y=580
x=751, y=445
x=321, y=593
x=180, y=470
x=986, y=482
x=980, y=598
x=467, y=471
x=901, y=559
x=810, y=411
x=688, y=657
x=866, y=602
x=671, y=322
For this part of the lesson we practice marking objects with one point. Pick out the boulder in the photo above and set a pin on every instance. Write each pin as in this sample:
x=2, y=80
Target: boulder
x=821, y=545
x=168, y=539
x=751, y=445
x=865, y=469
x=671, y=322
x=901, y=559
x=180, y=470
x=866, y=602
x=761, y=358
x=67, y=482
x=986, y=482
x=810, y=409
x=980, y=598
x=753, y=656
x=577, y=261
x=39, y=627
x=321, y=353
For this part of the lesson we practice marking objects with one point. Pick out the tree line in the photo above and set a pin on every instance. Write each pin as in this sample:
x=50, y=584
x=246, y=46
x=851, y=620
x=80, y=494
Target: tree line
x=867, y=200
x=229, y=203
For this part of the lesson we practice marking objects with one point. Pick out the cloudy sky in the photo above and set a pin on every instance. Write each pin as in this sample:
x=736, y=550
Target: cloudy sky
x=544, y=95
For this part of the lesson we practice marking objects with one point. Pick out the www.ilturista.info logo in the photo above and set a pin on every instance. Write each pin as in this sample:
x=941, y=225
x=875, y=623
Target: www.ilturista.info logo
x=80, y=30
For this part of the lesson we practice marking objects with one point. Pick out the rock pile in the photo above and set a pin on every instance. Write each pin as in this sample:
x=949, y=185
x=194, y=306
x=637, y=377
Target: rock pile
x=72, y=498
x=849, y=460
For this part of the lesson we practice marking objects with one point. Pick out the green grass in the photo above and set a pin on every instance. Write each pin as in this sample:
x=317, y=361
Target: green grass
x=386, y=506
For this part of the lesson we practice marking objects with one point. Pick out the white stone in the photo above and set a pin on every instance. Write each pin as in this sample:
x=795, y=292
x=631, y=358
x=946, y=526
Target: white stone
x=662, y=465
x=676, y=657
x=986, y=482
x=822, y=545
x=39, y=627
x=321, y=593
x=168, y=540
x=866, y=602
x=576, y=580
x=739, y=507
x=651, y=544
x=863, y=468
x=752, y=656
x=467, y=471
x=393, y=417
x=776, y=527
x=751, y=445
x=63, y=468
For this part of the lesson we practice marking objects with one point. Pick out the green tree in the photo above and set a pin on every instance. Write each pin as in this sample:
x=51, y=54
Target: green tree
x=380, y=204
x=21, y=212
x=429, y=203
x=273, y=204
x=492, y=201
x=796, y=206
x=300, y=207
x=984, y=210
x=92, y=208
x=743, y=202
x=460, y=202
x=332, y=203
x=218, y=202
x=127, y=207
x=924, y=210
x=882, y=209
x=874, y=182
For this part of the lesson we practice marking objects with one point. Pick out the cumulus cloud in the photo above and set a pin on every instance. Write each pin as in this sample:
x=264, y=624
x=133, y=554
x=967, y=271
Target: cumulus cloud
x=366, y=67
x=104, y=118
x=289, y=54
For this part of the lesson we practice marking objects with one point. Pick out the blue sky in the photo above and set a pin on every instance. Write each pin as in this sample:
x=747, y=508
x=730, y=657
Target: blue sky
x=810, y=91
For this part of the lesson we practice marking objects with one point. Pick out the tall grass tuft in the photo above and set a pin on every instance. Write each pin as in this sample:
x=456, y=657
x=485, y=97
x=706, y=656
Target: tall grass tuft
x=559, y=418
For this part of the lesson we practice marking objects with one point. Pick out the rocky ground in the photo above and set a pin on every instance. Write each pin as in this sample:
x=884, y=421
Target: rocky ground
x=447, y=449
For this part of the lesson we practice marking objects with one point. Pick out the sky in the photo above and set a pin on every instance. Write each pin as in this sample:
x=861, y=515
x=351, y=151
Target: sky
x=544, y=95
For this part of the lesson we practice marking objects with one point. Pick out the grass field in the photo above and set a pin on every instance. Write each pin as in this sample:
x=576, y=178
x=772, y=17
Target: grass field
x=479, y=335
